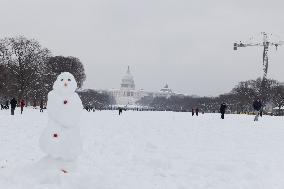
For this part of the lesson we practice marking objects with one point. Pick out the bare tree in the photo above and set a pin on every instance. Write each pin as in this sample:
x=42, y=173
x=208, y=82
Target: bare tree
x=24, y=59
x=59, y=64
x=277, y=94
x=263, y=87
x=4, y=78
x=244, y=94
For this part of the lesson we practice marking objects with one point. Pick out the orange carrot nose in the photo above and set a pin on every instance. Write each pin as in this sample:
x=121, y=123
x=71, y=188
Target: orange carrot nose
x=65, y=84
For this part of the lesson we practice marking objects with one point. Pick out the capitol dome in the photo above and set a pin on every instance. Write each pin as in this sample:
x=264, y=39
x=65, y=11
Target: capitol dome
x=166, y=89
x=127, y=81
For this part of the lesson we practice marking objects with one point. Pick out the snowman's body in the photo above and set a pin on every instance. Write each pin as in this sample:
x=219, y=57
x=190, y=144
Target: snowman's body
x=61, y=137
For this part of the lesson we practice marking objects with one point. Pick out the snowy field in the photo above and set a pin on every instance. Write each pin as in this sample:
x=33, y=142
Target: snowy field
x=149, y=150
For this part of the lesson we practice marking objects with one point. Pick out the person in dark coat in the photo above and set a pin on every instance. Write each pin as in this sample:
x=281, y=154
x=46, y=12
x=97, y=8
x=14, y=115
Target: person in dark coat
x=223, y=108
x=192, y=112
x=41, y=106
x=196, y=111
x=13, y=103
x=257, y=106
x=119, y=111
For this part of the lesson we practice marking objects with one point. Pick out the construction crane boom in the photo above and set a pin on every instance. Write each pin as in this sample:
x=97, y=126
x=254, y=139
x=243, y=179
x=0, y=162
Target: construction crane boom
x=265, y=43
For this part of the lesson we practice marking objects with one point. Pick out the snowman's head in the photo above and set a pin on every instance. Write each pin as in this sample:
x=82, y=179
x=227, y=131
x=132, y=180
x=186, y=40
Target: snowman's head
x=65, y=83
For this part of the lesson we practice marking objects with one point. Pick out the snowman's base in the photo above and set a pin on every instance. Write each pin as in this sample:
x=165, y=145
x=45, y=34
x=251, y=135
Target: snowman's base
x=57, y=165
x=34, y=177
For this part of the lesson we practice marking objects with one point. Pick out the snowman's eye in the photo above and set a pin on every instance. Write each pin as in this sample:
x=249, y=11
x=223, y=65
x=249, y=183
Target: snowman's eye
x=61, y=79
x=69, y=79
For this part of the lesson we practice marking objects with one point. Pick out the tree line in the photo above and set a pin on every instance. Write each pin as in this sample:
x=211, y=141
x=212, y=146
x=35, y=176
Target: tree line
x=29, y=70
x=92, y=99
x=239, y=99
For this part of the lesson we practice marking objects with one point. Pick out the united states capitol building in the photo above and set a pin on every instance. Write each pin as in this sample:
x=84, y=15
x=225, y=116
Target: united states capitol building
x=127, y=94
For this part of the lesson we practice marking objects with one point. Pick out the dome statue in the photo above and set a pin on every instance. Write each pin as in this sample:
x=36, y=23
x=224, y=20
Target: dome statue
x=166, y=89
x=127, y=81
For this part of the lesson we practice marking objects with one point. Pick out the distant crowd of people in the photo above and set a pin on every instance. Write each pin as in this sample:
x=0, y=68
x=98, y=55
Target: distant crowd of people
x=257, y=106
x=13, y=103
x=196, y=111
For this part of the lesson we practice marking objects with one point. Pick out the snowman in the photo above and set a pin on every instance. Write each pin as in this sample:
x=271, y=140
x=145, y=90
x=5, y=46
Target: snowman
x=61, y=138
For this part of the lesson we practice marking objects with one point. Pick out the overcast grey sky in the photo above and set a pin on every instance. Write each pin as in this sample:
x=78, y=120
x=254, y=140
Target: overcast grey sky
x=187, y=44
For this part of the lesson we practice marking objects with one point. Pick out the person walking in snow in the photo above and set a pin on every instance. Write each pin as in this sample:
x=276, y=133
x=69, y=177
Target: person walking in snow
x=196, y=111
x=192, y=112
x=119, y=111
x=257, y=106
x=22, y=104
x=223, y=108
x=41, y=106
x=13, y=103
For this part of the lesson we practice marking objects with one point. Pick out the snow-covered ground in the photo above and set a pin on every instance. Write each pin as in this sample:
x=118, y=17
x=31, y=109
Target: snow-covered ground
x=149, y=150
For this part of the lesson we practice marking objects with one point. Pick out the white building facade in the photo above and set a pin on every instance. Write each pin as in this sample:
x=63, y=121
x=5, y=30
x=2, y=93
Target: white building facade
x=164, y=92
x=128, y=95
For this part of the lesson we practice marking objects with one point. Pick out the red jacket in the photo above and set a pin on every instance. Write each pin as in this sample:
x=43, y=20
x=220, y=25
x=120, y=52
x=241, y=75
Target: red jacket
x=23, y=103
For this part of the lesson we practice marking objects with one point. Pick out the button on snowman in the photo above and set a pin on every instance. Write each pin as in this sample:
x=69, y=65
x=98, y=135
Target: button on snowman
x=61, y=138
